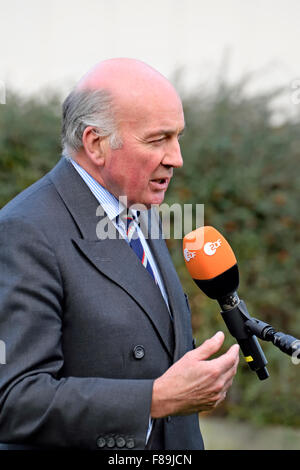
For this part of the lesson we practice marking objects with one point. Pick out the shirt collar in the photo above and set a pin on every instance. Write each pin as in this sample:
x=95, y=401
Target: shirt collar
x=112, y=206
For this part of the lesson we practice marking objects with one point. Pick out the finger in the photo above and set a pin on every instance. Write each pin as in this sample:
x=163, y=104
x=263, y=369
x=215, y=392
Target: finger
x=222, y=398
x=227, y=361
x=229, y=374
x=228, y=377
x=210, y=346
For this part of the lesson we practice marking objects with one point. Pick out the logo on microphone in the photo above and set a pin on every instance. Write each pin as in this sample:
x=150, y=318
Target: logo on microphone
x=211, y=247
x=188, y=254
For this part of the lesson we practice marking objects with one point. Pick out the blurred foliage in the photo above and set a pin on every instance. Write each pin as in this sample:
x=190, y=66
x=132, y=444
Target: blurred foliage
x=246, y=172
x=29, y=141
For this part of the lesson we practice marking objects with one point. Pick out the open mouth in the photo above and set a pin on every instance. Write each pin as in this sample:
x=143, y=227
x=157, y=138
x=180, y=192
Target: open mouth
x=159, y=183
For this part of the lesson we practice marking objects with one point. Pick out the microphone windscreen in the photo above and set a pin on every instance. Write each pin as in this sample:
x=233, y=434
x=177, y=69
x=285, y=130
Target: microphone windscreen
x=207, y=253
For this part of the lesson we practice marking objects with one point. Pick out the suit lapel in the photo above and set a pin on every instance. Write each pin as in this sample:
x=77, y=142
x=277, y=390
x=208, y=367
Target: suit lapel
x=113, y=258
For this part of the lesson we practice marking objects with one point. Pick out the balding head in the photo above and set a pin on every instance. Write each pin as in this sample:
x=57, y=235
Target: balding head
x=131, y=83
x=124, y=78
x=112, y=91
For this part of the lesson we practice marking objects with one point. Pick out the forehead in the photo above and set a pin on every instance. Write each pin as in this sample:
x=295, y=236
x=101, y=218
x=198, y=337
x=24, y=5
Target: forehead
x=155, y=108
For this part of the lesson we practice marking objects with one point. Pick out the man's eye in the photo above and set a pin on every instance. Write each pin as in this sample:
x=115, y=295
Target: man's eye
x=157, y=140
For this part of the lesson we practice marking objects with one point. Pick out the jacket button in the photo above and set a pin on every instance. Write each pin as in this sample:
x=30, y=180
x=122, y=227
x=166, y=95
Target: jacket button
x=139, y=352
x=110, y=442
x=101, y=442
x=130, y=443
x=120, y=441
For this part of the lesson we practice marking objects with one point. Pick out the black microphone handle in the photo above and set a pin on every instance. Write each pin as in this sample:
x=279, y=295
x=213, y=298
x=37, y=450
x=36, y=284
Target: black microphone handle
x=235, y=319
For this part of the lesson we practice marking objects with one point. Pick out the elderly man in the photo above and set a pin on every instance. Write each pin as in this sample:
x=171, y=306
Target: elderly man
x=99, y=351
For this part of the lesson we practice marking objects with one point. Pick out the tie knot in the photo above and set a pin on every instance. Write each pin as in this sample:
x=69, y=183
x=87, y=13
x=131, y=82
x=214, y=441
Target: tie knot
x=130, y=222
x=129, y=217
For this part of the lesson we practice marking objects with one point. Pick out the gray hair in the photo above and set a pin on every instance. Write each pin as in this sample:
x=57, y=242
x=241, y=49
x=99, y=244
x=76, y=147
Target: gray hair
x=84, y=108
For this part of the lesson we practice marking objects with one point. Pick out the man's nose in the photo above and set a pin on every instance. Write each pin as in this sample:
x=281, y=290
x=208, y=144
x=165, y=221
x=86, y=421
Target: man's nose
x=173, y=157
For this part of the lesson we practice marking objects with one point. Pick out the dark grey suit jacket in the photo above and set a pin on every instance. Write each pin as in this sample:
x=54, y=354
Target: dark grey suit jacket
x=73, y=308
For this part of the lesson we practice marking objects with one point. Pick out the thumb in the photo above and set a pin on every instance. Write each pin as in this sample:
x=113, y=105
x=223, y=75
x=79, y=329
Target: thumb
x=210, y=346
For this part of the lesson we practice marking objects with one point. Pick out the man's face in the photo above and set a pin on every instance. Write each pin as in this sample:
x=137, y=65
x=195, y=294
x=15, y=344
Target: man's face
x=141, y=170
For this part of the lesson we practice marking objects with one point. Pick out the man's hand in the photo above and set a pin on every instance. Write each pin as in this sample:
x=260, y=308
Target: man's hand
x=194, y=383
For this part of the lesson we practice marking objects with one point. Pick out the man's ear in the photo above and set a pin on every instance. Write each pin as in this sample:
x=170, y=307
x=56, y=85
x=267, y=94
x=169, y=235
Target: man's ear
x=94, y=145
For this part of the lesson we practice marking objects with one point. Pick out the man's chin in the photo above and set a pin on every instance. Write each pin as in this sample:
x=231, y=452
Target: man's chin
x=154, y=200
x=157, y=200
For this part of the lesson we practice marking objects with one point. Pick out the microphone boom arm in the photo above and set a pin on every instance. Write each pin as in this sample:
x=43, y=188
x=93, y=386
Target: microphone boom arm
x=286, y=343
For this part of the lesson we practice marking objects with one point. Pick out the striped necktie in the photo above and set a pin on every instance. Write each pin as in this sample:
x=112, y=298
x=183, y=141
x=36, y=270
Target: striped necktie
x=135, y=243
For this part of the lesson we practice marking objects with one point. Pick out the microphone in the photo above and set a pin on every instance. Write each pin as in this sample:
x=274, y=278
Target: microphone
x=213, y=266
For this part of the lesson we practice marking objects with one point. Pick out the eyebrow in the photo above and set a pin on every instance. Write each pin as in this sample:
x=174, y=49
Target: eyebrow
x=164, y=132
